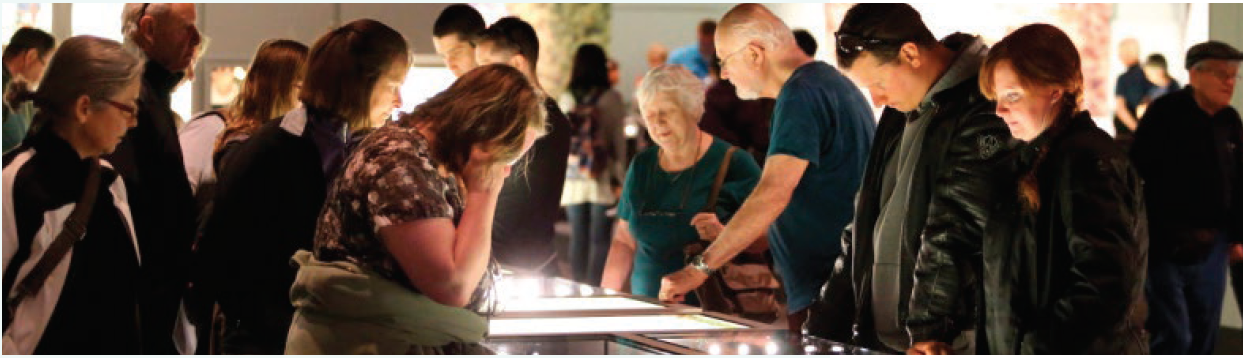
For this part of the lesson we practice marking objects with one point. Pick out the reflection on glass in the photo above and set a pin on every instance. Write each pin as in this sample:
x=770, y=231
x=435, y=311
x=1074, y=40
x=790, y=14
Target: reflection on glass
x=569, y=325
x=590, y=345
x=752, y=342
x=574, y=304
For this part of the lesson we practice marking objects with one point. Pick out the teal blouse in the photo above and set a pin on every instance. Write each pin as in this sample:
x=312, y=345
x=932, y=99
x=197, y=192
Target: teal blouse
x=659, y=207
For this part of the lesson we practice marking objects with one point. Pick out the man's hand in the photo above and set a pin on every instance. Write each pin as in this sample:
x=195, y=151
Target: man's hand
x=930, y=348
x=708, y=226
x=675, y=286
x=1235, y=254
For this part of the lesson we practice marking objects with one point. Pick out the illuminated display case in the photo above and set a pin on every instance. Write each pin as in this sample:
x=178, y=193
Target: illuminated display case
x=756, y=343
x=556, y=316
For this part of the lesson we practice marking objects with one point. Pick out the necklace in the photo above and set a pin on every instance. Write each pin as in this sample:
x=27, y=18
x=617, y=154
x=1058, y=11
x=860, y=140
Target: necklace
x=699, y=142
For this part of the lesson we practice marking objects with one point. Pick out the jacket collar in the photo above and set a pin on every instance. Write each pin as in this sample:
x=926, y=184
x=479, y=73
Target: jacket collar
x=1074, y=123
x=970, y=53
x=160, y=80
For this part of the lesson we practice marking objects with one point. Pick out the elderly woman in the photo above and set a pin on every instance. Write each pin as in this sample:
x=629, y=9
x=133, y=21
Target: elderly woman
x=58, y=191
x=669, y=184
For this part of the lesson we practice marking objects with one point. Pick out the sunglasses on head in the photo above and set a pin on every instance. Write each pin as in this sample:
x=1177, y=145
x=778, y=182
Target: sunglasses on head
x=853, y=43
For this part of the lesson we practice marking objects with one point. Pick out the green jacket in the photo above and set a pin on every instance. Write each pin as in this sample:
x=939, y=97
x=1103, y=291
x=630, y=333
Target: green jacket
x=340, y=308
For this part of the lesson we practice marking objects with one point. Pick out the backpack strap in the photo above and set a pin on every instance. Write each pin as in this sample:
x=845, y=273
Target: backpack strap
x=718, y=181
x=73, y=231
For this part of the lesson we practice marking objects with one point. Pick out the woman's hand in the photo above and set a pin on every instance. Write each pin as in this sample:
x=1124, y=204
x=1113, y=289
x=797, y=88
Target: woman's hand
x=483, y=173
x=708, y=226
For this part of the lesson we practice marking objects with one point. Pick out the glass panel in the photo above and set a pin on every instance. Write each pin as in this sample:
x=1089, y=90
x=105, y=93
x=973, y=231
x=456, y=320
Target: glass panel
x=757, y=343
x=574, y=304
x=511, y=286
x=566, y=325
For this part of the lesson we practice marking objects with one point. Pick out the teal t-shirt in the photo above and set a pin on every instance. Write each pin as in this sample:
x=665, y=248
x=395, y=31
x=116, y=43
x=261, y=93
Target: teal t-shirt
x=659, y=207
x=821, y=117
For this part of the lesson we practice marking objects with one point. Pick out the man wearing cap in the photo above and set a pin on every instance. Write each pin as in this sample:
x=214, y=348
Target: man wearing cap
x=1188, y=151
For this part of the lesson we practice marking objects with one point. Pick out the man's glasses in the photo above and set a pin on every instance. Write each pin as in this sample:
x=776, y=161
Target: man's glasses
x=852, y=43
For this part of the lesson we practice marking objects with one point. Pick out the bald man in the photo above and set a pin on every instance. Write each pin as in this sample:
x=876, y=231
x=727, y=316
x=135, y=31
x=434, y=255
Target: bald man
x=819, y=141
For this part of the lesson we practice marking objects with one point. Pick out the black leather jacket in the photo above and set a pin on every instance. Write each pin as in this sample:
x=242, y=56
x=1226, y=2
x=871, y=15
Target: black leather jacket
x=947, y=200
x=1069, y=277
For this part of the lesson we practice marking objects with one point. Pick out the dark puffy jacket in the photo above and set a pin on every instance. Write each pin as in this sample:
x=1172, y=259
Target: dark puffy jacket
x=946, y=200
x=1068, y=278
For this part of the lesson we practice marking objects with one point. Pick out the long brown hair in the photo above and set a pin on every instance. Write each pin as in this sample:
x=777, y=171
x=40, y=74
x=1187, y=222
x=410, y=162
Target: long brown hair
x=493, y=105
x=266, y=93
x=1040, y=54
x=345, y=65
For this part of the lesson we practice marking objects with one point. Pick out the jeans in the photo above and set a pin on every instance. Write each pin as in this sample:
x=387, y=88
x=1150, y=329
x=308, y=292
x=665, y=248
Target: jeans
x=590, y=241
x=1185, y=303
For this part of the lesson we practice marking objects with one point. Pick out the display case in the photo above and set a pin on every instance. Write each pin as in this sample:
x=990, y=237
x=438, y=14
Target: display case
x=607, y=324
x=578, y=345
x=756, y=343
x=585, y=306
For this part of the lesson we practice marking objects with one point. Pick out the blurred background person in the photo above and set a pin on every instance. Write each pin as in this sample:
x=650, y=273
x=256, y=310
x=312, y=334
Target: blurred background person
x=88, y=302
x=269, y=90
x=150, y=160
x=1188, y=150
x=1156, y=72
x=25, y=57
x=696, y=57
x=1130, y=89
x=806, y=41
x=454, y=35
x=528, y=207
x=597, y=163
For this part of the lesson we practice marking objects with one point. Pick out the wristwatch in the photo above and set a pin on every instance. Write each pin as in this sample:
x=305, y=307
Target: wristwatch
x=698, y=263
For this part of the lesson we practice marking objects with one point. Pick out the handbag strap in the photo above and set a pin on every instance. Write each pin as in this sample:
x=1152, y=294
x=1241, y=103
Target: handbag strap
x=73, y=230
x=717, y=181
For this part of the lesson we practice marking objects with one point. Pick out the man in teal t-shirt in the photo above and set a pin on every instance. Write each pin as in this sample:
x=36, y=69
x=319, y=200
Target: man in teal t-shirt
x=819, y=142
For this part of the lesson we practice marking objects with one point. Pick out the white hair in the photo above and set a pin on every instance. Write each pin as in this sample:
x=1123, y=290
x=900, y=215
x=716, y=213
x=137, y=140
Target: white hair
x=676, y=81
x=754, y=22
x=131, y=15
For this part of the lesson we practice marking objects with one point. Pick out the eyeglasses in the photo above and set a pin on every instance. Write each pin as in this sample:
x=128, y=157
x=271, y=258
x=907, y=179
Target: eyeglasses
x=722, y=61
x=852, y=43
x=1222, y=75
x=130, y=111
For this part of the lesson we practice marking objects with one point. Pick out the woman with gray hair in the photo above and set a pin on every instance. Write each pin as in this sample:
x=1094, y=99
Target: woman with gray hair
x=669, y=185
x=71, y=258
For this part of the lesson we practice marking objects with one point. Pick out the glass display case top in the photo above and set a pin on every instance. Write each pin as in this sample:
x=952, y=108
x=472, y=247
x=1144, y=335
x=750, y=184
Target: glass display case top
x=757, y=343
x=603, y=325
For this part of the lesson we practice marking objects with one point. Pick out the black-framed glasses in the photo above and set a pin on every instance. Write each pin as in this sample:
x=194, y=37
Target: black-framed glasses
x=852, y=43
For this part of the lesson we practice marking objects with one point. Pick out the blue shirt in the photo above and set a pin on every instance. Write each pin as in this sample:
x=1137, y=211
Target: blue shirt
x=820, y=116
x=689, y=56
